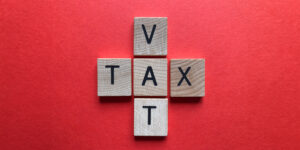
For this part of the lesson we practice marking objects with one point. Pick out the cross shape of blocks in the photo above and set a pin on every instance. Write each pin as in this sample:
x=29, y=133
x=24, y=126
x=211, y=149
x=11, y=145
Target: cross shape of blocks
x=150, y=77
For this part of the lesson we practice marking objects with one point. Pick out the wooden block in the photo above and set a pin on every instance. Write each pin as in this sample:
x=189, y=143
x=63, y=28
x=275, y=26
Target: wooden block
x=150, y=77
x=150, y=36
x=114, y=77
x=187, y=77
x=150, y=117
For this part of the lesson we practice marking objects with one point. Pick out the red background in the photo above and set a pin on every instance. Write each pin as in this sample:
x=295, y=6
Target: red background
x=48, y=81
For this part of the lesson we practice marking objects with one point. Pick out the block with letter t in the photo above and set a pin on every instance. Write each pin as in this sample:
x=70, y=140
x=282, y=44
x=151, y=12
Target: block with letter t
x=150, y=117
x=114, y=77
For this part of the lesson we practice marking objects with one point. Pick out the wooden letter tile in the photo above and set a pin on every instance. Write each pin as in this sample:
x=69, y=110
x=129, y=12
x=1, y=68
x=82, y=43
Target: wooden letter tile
x=114, y=77
x=150, y=36
x=150, y=77
x=187, y=77
x=150, y=117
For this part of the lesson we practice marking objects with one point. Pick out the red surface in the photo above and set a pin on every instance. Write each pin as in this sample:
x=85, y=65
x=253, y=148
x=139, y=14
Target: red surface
x=48, y=82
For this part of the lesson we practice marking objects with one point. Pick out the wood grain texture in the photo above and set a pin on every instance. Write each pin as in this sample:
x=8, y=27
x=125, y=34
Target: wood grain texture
x=122, y=77
x=196, y=76
x=160, y=70
x=159, y=117
x=159, y=44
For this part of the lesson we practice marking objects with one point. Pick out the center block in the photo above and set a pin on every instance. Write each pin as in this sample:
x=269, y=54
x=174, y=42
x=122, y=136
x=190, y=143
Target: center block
x=150, y=77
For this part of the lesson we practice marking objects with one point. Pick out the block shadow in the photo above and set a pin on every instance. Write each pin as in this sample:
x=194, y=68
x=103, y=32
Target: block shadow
x=150, y=97
x=115, y=99
x=186, y=99
x=150, y=57
x=150, y=138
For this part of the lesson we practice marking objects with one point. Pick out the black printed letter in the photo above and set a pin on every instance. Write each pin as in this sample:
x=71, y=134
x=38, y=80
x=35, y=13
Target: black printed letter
x=112, y=70
x=146, y=35
x=149, y=113
x=184, y=76
x=149, y=69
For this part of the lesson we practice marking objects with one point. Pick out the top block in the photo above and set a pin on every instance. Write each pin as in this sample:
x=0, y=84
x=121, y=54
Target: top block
x=150, y=36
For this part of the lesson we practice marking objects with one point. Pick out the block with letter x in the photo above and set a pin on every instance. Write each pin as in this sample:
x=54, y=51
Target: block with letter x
x=187, y=77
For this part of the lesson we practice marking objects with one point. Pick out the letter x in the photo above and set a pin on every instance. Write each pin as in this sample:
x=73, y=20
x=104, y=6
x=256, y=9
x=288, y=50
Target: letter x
x=184, y=76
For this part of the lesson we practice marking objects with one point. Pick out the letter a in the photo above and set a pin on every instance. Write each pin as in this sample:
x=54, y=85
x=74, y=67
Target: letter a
x=149, y=70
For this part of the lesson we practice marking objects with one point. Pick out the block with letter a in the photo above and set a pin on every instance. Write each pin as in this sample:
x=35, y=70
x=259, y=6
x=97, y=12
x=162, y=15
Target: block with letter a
x=150, y=77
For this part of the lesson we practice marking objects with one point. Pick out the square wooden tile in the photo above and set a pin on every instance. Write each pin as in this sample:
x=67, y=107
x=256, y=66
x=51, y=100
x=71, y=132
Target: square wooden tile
x=150, y=117
x=114, y=77
x=150, y=36
x=150, y=77
x=187, y=77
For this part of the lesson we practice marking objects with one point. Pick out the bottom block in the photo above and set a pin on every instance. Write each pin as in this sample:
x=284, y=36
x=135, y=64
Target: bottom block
x=150, y=117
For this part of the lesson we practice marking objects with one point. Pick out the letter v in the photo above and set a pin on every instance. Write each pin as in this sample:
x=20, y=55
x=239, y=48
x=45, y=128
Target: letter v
x=152, y=33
